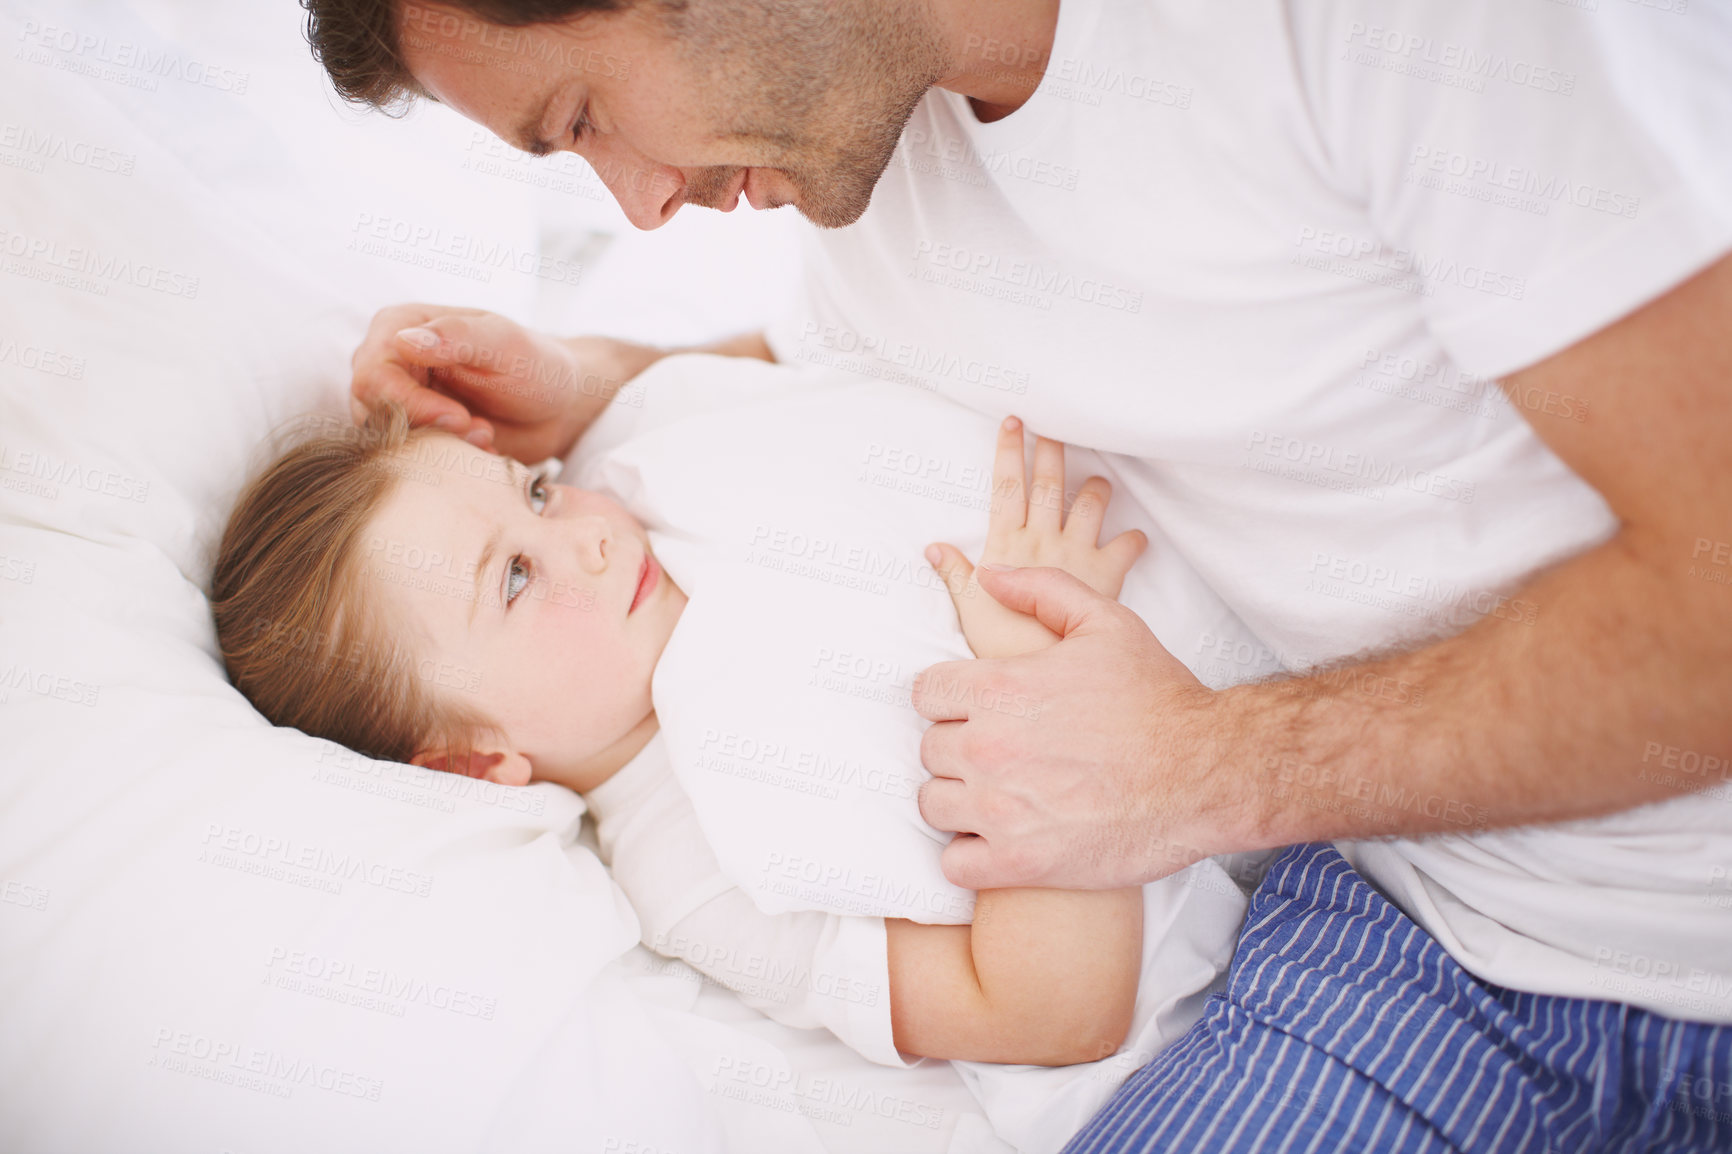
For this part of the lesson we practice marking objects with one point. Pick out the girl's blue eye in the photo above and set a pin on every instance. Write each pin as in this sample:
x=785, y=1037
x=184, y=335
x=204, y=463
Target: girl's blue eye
x=516, y=578
x=538, y=492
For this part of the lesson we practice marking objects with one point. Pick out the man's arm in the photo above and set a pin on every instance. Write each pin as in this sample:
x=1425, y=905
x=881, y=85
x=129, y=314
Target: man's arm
x=1629, y=653
x=1618, y=693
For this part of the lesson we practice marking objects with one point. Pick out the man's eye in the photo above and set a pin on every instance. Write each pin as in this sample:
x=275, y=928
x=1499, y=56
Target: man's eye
x=538, y=492
x=516, y=578
x=580, y=129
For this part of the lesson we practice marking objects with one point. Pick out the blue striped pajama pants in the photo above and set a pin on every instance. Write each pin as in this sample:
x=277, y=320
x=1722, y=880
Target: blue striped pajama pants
x=1346, y=1027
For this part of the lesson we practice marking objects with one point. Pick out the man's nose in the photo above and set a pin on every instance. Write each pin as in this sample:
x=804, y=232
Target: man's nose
x=648, y=192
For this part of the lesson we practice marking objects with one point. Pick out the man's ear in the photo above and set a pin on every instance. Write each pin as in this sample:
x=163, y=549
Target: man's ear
x=500, y=765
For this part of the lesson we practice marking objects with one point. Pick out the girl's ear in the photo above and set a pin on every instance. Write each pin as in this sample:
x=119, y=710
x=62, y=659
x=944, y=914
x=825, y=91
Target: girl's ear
x=500, y=766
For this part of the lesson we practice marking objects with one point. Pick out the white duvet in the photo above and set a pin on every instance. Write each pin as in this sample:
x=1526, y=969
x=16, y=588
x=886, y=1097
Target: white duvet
x=793, y=507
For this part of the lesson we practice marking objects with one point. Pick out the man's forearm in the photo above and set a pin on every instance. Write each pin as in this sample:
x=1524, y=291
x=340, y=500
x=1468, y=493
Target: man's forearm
x=1617, y=692
x=608, y=365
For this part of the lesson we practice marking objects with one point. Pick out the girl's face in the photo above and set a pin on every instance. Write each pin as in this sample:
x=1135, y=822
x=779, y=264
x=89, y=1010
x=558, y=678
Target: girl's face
x=540, y=600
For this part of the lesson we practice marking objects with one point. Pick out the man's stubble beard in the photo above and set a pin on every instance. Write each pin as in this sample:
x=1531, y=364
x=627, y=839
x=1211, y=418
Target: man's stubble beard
x=833, y=84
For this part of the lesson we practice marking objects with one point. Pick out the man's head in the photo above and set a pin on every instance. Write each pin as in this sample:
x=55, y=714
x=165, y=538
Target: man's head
x=680, y=101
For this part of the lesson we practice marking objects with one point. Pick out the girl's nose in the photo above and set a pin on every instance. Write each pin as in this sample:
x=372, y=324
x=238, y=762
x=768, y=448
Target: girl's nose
x=581, y=519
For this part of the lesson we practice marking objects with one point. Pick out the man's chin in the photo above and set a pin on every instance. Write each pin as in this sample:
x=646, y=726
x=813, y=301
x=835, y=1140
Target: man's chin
x=831, y=211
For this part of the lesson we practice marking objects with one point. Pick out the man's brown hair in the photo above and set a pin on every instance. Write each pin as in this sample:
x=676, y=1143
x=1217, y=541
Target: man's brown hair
x=360, y=41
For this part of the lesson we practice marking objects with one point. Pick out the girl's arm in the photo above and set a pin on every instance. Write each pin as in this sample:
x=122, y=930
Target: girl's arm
x=1046, y=977
x=1043, y=977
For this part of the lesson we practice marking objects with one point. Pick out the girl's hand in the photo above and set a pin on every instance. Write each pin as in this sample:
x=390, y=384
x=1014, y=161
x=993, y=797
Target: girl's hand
x=1028, y=527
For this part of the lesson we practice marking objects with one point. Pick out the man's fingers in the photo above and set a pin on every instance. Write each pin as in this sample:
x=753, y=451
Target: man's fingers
x=447, y=341
x=1059, y=601
x=944, y=804
x=940, y=692
x=387, y=383
x=480, y=433
x=969, y=862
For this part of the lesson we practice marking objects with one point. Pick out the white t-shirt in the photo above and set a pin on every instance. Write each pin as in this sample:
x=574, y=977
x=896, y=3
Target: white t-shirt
x=1277, y=254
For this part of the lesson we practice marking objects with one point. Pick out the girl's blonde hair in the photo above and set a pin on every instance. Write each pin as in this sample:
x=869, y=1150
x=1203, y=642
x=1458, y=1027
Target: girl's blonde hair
x=298, y=635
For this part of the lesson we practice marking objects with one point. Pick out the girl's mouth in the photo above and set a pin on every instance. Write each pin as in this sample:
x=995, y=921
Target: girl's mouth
x=648, y=577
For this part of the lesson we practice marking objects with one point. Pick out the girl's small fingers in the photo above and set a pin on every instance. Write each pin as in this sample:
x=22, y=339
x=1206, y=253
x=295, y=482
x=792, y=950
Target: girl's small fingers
x=1046, y=495
x=1009, y=502
x=1088, y=510
x=1122, y=551
x=952, y=566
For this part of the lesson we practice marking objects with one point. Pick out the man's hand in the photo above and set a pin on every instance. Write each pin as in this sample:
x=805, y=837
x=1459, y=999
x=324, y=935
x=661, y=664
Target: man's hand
x=1048, y=764
x=489, y=379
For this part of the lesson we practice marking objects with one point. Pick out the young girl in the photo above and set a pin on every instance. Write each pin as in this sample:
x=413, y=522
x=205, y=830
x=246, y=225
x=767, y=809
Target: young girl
x=418, y=599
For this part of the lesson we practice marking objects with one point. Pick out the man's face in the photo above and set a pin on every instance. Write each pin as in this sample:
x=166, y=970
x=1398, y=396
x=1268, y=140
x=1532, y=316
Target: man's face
x=785, y=101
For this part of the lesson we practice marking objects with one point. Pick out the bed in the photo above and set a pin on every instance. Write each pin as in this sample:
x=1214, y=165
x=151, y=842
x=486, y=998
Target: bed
x=216, y=935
